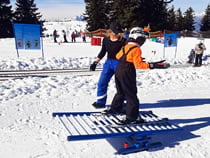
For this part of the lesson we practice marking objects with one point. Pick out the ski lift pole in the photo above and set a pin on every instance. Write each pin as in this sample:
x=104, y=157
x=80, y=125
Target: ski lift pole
x=41, y=36
x=163, y=51
x=175, y=52
x=15, y=40
x=164, y=44
x=17, y=52
x=176, y=45
x=42, y=48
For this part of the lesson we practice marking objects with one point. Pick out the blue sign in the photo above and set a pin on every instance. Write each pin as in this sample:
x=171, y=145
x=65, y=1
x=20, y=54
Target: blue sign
x=27, y=36
x=170, y=40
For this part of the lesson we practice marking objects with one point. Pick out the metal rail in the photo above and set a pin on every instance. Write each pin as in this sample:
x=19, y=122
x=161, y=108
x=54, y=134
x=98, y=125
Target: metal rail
x=85, y=126
x=14, y=74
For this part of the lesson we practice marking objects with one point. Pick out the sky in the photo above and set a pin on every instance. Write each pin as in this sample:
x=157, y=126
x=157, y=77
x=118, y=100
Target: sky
x=199, y=6
x=56, y=9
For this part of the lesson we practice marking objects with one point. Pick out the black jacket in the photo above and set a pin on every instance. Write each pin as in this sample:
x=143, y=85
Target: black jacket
x=111, y=47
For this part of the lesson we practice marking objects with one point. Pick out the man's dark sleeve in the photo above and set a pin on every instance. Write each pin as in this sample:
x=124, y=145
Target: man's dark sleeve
x=102, y=52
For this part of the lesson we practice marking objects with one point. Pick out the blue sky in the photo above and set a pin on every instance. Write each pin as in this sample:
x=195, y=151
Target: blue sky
x=198, y=6
x=56, y=2
x=56, y=9
x=70, y=8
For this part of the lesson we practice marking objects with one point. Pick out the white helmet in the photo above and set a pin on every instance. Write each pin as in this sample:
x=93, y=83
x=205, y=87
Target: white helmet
x=138, y=34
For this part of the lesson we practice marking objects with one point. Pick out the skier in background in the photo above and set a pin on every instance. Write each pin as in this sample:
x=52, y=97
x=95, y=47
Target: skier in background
x=191, y=56
x=199, y=49
x=64, y=36
x=55, y=34
x=110, y=45
x=83, y=36
x=73, y=37
x=126, y=33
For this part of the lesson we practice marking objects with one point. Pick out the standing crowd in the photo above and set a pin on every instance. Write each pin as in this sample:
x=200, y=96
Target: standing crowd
x=66, y=35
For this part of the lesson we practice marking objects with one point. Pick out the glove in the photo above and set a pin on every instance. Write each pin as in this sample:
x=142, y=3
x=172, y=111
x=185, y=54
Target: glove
x=93, y=66
x=159, y=65
x=151, y=66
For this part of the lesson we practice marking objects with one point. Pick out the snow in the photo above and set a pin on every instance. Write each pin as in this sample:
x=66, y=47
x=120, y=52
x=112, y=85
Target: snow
x=27, y=129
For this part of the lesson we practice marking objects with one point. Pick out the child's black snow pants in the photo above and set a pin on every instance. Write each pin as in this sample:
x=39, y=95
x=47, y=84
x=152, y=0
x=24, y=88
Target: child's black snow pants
x=125, y=78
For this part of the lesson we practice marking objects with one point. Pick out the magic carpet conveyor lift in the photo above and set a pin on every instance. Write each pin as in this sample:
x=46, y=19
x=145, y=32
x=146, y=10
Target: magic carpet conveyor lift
x=94, y=125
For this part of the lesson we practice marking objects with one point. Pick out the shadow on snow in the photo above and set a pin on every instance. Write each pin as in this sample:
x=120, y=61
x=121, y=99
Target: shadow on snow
x=175, y=103
x=173, y=139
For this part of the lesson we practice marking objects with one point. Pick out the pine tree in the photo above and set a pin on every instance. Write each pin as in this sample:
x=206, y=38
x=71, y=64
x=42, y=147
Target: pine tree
x=26, y=12
x=153, y=12
x=205, y=22
x=189, y=20
x=6, y=15
x=124, y=15
x=96, y=14
x=171, y=19
x=179, y=23
x=129, y=13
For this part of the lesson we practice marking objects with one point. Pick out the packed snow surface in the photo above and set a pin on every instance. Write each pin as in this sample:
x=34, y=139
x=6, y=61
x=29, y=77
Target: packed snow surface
x=28, y=130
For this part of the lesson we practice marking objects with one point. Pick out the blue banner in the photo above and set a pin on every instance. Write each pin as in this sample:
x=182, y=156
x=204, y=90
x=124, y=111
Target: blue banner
x=170, y=40
x=27, y=36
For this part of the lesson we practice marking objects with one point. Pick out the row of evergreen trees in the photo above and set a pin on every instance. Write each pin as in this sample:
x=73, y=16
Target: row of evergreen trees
x=25, y=12
x=131, y=13
x=99, y=14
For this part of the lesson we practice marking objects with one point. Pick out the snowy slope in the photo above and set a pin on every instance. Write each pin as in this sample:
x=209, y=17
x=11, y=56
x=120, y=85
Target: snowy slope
x=27, y=129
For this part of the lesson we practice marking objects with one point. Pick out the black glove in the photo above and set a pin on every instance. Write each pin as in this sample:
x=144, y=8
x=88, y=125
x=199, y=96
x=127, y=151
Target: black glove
x=93, y=66
x=151, y=66
x=159, y=65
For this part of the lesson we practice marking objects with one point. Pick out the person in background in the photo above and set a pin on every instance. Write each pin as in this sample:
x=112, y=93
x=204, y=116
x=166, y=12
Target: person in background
x=55, y=34
x=126, y=33
x=83, y=36
x=110, y=45
x=73, y=37
x=191, y=57
x=64, y=36
x=199, y=49
x=130, y=59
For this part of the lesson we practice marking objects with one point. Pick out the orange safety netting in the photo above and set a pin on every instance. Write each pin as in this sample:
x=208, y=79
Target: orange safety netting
x=99, y=32
x=156, y=34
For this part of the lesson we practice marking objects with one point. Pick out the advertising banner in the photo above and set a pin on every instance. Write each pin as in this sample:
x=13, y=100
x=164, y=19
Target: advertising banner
x=27, y=36
x=170, y=40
